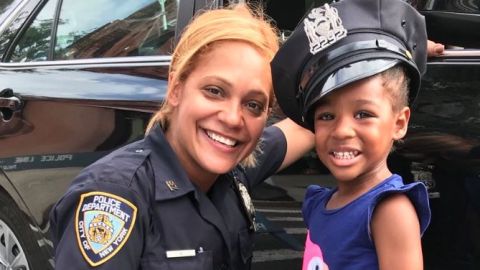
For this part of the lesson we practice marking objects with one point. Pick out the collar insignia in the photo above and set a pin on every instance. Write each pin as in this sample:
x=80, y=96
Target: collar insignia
x=171, y=185
x=323, y=28
x=103, y=223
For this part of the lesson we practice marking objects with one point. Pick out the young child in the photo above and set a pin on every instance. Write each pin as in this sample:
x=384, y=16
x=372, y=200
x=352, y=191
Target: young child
x=348, y=73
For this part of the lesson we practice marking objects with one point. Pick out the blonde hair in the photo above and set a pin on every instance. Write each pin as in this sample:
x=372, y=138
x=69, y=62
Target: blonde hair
x=238, y=22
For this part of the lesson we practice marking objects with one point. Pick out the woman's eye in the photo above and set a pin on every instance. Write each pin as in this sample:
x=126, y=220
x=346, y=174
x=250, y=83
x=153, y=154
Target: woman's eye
x=255, y=106
x=214, y=91
x=361, y=115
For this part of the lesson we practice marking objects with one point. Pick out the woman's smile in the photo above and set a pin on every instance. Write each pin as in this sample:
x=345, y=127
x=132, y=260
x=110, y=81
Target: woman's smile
x=221, y=139
x=218, y=114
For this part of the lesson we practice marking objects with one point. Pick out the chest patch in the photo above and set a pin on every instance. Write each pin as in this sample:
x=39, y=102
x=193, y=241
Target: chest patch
x=103, y=223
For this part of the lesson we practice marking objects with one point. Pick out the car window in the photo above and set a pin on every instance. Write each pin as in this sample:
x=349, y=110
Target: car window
x=5, y=6
x=35, y=42
x=112, y=28
x=99, y=28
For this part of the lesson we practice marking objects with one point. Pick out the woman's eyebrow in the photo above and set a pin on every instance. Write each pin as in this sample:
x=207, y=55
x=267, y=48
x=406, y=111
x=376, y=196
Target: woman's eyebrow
x=218, y=78
x=254, y=91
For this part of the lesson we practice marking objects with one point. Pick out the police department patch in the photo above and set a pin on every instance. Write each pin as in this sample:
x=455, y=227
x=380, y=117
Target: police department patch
x=103, y=224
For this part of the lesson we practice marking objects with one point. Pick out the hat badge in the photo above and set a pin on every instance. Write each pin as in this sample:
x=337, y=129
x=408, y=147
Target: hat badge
x=323, y=28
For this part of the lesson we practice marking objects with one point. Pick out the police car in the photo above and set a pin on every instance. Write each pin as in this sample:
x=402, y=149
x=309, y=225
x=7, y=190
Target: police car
x=78, y=79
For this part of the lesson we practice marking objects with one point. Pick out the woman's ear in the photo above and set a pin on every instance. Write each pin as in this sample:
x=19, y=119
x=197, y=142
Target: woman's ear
x=174, y=92
x=401, y=123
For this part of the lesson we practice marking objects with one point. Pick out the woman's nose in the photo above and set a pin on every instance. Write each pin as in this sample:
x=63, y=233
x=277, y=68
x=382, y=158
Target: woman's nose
x=232, y=115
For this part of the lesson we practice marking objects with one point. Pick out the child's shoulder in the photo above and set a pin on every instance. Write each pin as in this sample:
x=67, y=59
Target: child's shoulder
x=315, y=196
x=395, y=193
x=317, y=192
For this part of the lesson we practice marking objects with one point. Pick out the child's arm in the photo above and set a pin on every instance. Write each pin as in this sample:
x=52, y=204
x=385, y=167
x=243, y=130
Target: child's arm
x=396, y=233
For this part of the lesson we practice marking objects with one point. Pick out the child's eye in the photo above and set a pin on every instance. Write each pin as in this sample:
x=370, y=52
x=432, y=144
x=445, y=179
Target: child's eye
x=325, y=116
x=255, y=107
x=362, y=115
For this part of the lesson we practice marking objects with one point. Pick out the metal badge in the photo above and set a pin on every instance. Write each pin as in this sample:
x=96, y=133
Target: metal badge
x=323, y=28
x=246, y=202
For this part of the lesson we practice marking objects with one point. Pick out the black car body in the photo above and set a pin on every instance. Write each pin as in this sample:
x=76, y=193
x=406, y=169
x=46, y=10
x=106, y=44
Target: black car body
x=78, y=79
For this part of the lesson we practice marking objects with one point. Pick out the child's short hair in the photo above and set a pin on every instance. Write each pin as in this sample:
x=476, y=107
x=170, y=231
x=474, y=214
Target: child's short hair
x=396, y=83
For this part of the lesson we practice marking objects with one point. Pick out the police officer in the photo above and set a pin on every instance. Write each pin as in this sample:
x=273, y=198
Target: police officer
x=178, y=199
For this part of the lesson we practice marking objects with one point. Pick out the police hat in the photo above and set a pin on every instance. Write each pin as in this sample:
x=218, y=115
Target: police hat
x=344, y=42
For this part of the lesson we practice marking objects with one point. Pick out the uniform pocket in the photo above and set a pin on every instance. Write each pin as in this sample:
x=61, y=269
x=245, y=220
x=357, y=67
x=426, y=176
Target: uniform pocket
x=245, y=240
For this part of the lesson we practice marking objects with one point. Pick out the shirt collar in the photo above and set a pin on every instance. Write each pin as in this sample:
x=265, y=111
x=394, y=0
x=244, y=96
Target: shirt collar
x=171, y=180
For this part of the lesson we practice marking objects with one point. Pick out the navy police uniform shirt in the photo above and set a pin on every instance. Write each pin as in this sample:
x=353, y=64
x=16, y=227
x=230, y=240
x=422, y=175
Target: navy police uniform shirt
x=137, y=209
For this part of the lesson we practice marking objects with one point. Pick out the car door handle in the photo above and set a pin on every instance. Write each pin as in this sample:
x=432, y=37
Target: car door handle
x=8, y=100
x=11, y=118
x=13, y=103
x=9, y=104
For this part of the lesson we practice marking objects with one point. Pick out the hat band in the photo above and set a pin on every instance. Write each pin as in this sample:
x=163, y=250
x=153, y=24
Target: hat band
x=314, y=67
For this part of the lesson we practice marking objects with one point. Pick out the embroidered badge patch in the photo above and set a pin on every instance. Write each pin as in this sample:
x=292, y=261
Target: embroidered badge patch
x=323, y=28
x=103, y=223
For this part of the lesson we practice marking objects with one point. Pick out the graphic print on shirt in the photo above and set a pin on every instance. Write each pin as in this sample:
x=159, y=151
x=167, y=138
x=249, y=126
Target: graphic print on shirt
x=103, y=223
x=312, y=257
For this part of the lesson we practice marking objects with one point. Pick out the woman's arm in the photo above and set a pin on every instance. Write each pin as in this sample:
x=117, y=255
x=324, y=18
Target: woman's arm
x=299, y=141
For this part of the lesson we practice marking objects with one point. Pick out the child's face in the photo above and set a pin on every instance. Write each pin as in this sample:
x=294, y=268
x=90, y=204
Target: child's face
x=355, y=127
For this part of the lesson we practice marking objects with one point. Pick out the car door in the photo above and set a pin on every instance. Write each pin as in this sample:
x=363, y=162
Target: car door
x=442, y=145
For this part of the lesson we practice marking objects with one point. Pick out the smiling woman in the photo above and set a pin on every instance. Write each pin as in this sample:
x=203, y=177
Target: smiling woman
x=204, y=151
x=218, y=116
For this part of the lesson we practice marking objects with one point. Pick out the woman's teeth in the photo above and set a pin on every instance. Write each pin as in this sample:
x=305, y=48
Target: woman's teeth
x=221, y=139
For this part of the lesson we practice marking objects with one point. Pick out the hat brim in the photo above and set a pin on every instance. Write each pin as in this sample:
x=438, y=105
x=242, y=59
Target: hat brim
x=343, y=65
x=349, y=74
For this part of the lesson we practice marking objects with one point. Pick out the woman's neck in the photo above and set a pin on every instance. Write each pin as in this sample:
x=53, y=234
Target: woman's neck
x=196, y=174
